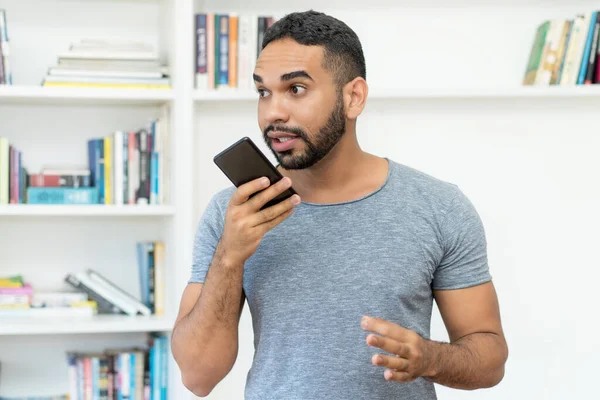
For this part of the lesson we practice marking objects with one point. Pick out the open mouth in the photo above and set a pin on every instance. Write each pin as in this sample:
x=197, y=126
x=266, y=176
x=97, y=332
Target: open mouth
x=284, y=143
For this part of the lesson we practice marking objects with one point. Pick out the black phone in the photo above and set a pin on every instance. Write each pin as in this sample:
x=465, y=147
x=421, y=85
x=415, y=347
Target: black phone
x=243, y=162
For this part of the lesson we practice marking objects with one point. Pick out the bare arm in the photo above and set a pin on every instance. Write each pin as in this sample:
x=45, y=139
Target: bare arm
x=205, y=337
x=204, y=342
x=477, y=351
x=473, y=359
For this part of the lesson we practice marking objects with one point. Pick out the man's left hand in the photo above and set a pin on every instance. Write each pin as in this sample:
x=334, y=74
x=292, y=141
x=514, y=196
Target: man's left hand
x=414, y=356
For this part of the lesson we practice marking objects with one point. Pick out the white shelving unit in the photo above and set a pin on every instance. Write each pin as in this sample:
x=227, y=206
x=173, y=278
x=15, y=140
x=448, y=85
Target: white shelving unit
x=55, y=95
x=52, y=125
x=437, y=57
x=24, y=210
x=80, y=325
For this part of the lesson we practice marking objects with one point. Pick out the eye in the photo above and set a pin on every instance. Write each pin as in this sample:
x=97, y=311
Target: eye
x=297, y=89
x=262, y=92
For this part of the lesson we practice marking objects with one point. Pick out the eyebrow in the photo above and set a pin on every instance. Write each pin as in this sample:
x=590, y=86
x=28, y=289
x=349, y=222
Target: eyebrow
x=286, y=77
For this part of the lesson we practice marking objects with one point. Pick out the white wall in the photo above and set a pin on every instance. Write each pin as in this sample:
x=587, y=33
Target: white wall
x=529, y=166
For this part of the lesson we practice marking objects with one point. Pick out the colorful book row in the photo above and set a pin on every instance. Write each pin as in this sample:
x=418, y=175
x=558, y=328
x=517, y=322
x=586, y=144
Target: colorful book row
x=227, y=46
x=565, y=52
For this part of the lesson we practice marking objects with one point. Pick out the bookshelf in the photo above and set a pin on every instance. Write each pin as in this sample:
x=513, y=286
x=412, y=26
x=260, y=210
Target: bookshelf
x=486, y=69
x=64, y=96
x=51, y=125
x=81, y=325
x=34, y=210
x=490, y=93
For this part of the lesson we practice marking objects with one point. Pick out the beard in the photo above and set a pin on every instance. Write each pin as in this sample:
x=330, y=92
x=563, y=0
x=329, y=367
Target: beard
x=316, y=148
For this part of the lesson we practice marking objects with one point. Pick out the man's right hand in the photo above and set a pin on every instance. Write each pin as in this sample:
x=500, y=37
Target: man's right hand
x=246, y=223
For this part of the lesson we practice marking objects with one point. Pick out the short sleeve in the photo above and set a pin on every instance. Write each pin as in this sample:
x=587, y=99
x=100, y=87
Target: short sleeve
x=208, y=234
x=464, y=262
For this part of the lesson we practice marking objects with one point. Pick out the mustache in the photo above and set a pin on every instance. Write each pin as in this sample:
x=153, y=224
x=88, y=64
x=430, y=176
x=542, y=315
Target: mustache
x=293, y=130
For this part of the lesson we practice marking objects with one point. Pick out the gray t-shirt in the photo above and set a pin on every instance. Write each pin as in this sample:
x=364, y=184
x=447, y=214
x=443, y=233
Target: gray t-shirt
x=315, y=275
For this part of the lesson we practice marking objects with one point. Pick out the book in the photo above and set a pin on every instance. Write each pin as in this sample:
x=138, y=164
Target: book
x=564, y=52
x=226, y=48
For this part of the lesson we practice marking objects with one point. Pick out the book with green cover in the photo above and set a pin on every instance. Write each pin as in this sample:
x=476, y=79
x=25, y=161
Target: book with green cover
x=535, y=56
x=4, y=170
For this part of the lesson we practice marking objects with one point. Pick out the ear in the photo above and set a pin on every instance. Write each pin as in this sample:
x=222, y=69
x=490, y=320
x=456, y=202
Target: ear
x=355, y=97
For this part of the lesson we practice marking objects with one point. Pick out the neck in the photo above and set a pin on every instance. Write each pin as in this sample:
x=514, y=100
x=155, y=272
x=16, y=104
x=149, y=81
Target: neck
x=335, y=177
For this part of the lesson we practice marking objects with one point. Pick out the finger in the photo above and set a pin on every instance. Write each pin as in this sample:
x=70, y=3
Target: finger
x=274, y=211
x=276, y=221
x=390, y=345
x=267, y=195
x=398, y=376
x=396, y=363
x=386, y=328
x=243, y=192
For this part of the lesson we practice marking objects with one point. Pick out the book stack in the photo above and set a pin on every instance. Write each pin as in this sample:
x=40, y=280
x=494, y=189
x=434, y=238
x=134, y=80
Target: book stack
x=129, y=373
x=132, y=167
x=110, y=298
x=18, y=299
x=61, y=184
x=109, y=64
x=227, y=46
x=123, y=168
x=5, y=68
x=565, y=52
x=13, y=175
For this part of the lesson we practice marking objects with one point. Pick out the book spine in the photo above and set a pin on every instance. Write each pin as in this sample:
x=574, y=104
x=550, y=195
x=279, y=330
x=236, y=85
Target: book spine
x=150, y=260
x=223, y=76
x=118, y=168
x=149, y=150
x=72, y=181
x=160, y=274
x=4, y=170
x=535, y=55
x=108, y=166
x=101, y=179
x=243, y=54
x=132, y=168
x=43, y=195
x=210, y=50
x=23, y=179
x=125, y=163
x=142, y=196
x=588, y=40
x=14, y=175
x=233, y=50
x=104, y=305
x=201, y=55
x=4, y=43
x=561, y=53
x=262, y=27
x=154, y=178
x=1, y=65
x=593, y=53
x=143, y=273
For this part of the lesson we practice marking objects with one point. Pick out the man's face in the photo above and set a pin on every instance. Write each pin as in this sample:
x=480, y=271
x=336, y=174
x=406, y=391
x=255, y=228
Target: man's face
x=300, y=111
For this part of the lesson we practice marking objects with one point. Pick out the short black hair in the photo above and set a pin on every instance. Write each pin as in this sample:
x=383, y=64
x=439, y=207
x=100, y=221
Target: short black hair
x=343, y=54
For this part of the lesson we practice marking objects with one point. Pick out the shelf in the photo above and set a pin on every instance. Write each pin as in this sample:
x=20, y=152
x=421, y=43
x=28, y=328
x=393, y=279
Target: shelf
x=74, y=325
x=431, y=93
x=96, y=210
x=225, y=95
x=94, y=96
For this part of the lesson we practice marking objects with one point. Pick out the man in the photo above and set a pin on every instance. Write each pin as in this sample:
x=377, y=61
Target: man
x=341, y=279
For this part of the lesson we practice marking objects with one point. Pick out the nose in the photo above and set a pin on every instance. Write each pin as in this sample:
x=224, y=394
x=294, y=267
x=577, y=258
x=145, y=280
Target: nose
x=276, y=110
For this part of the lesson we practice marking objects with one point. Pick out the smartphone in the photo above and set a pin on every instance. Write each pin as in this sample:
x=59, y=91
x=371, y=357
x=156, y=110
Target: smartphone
x=243, y=162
